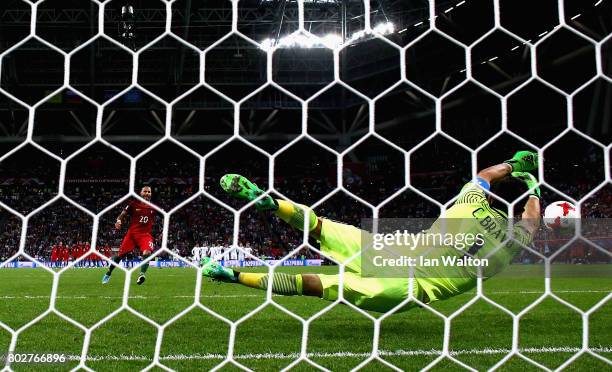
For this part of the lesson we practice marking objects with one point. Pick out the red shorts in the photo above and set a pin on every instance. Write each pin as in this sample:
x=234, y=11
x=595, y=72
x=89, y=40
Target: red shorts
x=144, y=241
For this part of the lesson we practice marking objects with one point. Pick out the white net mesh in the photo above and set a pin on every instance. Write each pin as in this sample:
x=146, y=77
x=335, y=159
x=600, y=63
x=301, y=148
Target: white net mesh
x=303, y=39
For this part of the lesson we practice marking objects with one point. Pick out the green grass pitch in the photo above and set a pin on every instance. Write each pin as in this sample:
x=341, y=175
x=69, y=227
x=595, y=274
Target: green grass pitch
x=339, y=339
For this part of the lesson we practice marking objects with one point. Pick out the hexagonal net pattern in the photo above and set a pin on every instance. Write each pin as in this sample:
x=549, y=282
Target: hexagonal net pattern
x=470, y=53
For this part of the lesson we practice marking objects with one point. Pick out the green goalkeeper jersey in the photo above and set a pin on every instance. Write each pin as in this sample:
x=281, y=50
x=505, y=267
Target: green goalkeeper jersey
x=498, y=244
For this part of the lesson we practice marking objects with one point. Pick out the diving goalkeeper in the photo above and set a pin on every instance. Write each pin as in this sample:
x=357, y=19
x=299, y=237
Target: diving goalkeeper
x=478, y=213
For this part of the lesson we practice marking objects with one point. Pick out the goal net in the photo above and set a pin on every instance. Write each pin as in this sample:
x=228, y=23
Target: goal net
x=364, y=111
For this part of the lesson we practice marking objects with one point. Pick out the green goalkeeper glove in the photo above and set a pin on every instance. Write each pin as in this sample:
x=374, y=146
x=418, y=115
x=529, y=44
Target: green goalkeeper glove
x=530, y=181
x=523, y=161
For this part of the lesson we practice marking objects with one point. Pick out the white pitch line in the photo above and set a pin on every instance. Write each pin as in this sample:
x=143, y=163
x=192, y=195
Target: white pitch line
x=120, y=297
x=262, y=295
x=342, y=354
x=553, y=291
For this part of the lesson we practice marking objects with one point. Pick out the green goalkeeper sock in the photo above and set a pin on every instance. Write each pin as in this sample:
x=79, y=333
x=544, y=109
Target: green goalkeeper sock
x=283, y=284
x=293, y=214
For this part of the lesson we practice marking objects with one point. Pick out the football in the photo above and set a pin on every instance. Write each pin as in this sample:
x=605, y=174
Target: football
x=560, y=215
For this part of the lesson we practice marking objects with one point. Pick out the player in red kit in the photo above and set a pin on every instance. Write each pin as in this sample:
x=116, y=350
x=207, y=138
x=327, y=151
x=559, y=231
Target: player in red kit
x=54, y=256
x=138, y=234
x=65, y=255
x=76, y=252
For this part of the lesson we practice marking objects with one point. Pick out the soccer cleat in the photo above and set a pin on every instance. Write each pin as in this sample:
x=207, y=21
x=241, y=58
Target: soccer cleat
x=141, y=279
x=105, y=278
x=241, y=188
x=213, y=269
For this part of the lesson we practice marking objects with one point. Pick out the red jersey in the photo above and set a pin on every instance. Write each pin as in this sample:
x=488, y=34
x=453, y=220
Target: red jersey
x=141, y=217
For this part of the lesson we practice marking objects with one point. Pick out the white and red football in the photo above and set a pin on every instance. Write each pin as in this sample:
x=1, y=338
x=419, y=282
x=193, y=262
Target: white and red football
x=560, y=215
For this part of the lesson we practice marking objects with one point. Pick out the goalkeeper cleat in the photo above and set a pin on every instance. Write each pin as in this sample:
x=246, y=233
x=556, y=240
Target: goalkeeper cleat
x=141, y=279
x=105, y=278
x=214, y=270
x=240, y=187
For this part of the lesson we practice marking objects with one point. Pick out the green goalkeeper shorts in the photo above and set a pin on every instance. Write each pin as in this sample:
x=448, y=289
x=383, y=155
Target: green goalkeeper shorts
x=342, y=243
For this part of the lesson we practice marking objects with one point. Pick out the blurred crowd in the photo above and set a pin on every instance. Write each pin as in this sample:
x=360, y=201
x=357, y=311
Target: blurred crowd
x=203, y=222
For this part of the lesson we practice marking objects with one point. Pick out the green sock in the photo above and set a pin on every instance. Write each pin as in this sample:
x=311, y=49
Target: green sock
x=115, y=259
x=283, y=284
x=144, y=267
x=293, y=214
